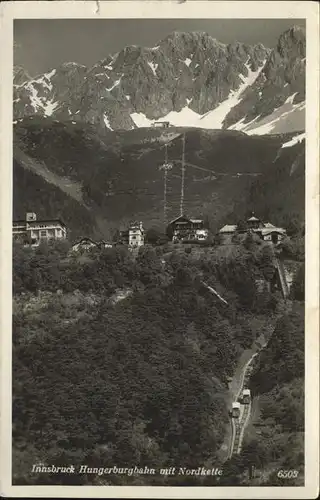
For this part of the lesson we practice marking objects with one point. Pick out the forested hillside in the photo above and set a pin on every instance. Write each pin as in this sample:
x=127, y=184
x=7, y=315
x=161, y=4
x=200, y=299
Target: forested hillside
x=111, y=178
x=142, y=380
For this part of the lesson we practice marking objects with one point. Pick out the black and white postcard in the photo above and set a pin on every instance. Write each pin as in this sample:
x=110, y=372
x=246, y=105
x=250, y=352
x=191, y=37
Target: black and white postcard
x=159, y=244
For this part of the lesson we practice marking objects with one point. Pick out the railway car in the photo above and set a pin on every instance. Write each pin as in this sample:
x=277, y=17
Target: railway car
x=246, y=396
x=236, y=409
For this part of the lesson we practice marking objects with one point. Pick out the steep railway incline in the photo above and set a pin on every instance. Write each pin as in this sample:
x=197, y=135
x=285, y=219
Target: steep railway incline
x=239, y=424
x=280, y=270
x=282, y=277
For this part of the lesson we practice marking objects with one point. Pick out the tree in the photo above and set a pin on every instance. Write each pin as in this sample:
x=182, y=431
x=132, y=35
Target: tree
x=266, y=263
x=255, y=453
x=115, y=236
x=298, y=284
x=156, y=237
x=242, y=225
x=249, y=242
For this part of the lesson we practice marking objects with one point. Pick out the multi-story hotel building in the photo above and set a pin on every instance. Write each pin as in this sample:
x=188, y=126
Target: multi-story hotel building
x=32, y=231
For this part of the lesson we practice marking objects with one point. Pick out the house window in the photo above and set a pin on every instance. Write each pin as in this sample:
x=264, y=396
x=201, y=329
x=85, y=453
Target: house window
x=134, y=237
x=43, y=234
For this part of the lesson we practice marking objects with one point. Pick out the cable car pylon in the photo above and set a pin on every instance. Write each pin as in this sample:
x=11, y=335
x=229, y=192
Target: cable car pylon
x=166, y=166
x=182, y=174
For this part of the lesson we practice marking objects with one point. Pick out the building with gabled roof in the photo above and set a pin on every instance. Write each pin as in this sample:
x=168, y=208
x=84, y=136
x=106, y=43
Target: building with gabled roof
x=265, y=230
x=85, y=244
x=31, y=232
x=185, y=229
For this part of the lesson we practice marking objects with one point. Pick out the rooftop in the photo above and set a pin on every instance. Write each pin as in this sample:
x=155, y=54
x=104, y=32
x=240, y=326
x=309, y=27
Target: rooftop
x=228, y=228
x=36, y=222
x=268, y=230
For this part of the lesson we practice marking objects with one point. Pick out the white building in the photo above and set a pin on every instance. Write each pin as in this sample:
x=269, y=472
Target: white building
x=136, y=235
x=161, y=124
x=32, y=231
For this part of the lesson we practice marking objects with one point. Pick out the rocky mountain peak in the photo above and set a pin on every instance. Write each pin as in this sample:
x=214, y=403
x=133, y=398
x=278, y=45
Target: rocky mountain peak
x=292, y=43
x=280, y=85
x=20, y=76
x=185, y=78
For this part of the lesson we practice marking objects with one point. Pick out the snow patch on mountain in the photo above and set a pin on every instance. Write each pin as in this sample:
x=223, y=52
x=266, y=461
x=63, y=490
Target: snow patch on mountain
x=35, y=100
x=187, y=61
x=45, y=82
x=212, y=119
x=106, y=122
x=115, y=84
x=288, y=117
x=215, y=118
x=49, y=107
x=291, y=98
x=50, y=74
x=240, y=125
x=140, y=120
x=153, y=67
x=294, y=140
x=184, y=118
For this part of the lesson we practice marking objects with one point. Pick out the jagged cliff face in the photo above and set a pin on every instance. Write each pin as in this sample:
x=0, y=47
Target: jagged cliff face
x=281, y=84
x=189, y=78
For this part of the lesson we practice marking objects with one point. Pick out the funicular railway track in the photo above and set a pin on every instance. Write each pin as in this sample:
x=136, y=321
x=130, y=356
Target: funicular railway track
x=241, y=409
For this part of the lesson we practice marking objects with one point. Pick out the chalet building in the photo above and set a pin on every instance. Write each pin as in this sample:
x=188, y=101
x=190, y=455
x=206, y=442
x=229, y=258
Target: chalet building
x=105, y=244
x=86, y=244
x=161, y=125
x=265, y=230
x=31, y=232
x=184, y=229
x=134, y=236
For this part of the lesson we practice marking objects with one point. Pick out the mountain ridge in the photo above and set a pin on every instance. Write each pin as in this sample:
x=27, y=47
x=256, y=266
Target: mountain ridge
x=185, y=77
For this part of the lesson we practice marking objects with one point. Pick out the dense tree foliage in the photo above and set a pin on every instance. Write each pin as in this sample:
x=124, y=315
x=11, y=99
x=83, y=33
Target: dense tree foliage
x=142, y=380
x=283, y=359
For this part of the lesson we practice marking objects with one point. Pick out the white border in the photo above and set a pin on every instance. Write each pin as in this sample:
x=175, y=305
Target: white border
x=170, y=10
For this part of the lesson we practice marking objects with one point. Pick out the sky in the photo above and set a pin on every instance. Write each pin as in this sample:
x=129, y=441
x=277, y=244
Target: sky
x=44, y=44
